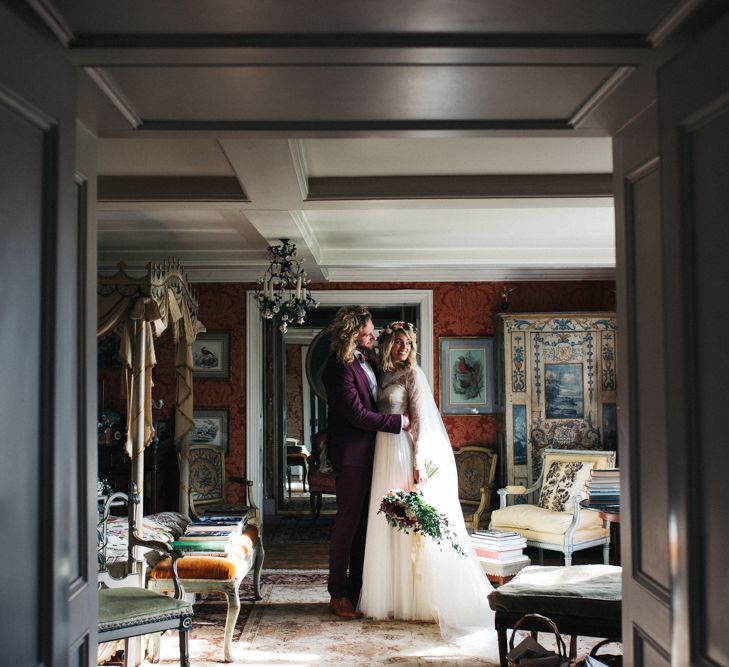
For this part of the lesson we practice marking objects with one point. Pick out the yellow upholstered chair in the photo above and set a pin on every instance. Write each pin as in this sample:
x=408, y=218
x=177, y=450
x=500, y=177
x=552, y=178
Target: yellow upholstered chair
x=556, y=522
x=476, y=471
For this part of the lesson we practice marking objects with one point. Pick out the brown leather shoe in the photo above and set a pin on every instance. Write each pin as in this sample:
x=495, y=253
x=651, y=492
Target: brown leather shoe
x=344, y=608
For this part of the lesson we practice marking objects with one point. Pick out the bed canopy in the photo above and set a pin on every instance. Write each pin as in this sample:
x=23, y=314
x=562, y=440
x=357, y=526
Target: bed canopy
x=138, y=310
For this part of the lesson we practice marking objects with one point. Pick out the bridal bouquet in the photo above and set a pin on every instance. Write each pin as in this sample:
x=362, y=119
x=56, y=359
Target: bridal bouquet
x=407, y=511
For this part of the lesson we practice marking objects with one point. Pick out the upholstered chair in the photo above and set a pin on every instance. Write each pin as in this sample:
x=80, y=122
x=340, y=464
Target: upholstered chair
x=321, y=476
x=476, y=471
x=126, y=608
x=557, y=522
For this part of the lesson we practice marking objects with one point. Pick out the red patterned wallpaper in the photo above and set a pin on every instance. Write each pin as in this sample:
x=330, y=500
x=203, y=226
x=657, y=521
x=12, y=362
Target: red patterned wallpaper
x=459, y=309
x=294, y=396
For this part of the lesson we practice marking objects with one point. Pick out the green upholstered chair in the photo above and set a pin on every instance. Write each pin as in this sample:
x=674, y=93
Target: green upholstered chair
x=126, y=608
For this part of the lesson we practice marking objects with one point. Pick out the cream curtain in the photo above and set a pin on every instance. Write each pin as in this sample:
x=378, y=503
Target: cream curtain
x=125, y=315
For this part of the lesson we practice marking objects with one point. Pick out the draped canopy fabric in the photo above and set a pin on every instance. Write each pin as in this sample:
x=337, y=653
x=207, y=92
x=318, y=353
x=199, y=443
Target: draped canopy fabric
x=127, y=315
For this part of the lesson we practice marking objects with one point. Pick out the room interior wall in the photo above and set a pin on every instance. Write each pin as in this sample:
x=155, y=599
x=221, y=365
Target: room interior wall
x=294, y=393
x=459, y=309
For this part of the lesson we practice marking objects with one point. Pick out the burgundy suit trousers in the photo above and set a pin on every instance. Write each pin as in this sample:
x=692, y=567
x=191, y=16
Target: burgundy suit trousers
x=347, y=545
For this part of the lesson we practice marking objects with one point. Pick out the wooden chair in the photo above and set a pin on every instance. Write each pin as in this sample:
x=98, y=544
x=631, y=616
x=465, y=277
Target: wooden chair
x=321, y=478
x=218, y=574
x=126, y=608
x=296, y=455
x=476, y=472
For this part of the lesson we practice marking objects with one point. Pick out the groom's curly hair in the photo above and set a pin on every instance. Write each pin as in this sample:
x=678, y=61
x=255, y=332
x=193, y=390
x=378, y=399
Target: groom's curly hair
x=345, y=331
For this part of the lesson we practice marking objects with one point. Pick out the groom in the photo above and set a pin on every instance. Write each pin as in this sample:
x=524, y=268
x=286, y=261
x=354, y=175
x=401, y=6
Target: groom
x=351, y=386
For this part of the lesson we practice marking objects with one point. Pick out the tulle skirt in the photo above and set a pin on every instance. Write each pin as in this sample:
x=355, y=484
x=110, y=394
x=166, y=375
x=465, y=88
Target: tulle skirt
x=410, y=577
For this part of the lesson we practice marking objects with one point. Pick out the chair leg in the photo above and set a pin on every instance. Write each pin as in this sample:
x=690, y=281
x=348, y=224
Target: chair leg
x=288, y=477
x=184, y=648
x=304, y=475
x=257, y=567
x=606, y=553
x=232, y=616
x=315, y=500
x=567, y=558
x=503, y=649
x=155, y=648
x=318, y=506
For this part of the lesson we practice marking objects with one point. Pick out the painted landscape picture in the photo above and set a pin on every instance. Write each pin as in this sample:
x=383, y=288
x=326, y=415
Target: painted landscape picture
x=564, y=391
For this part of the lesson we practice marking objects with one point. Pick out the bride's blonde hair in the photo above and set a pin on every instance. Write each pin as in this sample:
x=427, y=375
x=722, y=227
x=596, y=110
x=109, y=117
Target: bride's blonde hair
x=345, y=331
x=386, y=339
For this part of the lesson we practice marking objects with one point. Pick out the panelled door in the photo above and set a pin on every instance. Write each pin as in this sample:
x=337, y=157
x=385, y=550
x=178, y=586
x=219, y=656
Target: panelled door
x=48, y=609
x=671, y=199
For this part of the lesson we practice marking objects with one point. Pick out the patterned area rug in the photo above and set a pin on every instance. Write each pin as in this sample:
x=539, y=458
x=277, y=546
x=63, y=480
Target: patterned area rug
x=293, y=627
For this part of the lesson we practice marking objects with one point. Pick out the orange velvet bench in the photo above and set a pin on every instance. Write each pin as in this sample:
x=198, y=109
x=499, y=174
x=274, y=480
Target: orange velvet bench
x=217, y=574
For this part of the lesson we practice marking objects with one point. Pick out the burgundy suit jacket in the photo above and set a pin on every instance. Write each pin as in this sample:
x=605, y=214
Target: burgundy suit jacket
x=353, y=420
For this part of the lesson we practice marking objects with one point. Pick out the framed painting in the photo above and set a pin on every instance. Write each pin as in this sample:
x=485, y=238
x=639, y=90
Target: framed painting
x=211, y=355
x=467, y=376
x=210, y=428
x=563, y=391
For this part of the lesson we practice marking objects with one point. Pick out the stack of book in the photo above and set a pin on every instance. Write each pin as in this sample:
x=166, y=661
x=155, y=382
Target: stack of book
x=211, y=535
x=498, y=545
x=603, y=487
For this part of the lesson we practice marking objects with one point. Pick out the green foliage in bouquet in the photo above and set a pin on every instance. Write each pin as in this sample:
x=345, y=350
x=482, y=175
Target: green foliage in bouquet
x=407, y=511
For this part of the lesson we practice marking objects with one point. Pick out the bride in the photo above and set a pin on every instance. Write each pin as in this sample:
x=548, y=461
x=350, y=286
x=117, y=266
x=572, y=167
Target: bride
x=409, y=576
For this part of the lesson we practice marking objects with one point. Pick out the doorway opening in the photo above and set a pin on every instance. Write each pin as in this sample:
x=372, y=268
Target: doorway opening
x=266, y=417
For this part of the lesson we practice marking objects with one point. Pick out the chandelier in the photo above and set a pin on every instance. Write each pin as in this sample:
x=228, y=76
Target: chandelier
x=283, y=294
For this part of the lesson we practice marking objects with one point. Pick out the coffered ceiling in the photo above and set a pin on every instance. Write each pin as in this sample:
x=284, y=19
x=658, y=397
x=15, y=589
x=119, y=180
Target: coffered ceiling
x=417, y=140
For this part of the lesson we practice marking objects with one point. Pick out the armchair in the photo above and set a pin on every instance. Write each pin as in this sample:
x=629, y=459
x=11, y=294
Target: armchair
x=476, y=468
x=126, y=608
x=556, y=522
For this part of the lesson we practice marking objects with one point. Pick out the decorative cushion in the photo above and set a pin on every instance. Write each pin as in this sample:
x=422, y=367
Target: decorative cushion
x=562, y=482
x=580, y=590
x=538, y=518
x=163, y=527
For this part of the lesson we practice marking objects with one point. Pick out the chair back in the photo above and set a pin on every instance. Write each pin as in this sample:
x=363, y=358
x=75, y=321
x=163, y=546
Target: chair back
x=560, y=480
x=476, y=467
x=321, y=474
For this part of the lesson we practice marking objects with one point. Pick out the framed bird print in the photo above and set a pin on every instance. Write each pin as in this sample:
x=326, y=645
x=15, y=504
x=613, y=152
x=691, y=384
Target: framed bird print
x=467, y=376
x=210, y=427
x=211, y=355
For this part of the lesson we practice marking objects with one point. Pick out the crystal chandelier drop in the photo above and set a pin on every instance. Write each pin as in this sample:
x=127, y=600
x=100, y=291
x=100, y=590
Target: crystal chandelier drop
x=283, y=294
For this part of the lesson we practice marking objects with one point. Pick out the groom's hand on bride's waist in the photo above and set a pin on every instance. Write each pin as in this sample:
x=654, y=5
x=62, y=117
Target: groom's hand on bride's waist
x=405, y=423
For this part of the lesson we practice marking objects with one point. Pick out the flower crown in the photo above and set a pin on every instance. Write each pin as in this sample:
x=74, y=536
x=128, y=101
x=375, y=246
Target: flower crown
x=396, y=326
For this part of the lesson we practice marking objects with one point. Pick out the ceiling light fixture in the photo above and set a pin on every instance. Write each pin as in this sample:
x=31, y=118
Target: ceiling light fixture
x=283, y=294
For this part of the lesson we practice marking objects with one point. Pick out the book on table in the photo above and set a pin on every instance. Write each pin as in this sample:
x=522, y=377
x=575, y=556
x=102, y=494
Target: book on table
x=513, y=558
x=201, y=548
x=214, y=536
x=220, y=520
x=490, y=554
x=213, y=530
x=498, y=541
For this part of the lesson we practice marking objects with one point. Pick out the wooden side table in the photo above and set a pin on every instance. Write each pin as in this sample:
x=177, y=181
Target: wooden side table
x=611, y=515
